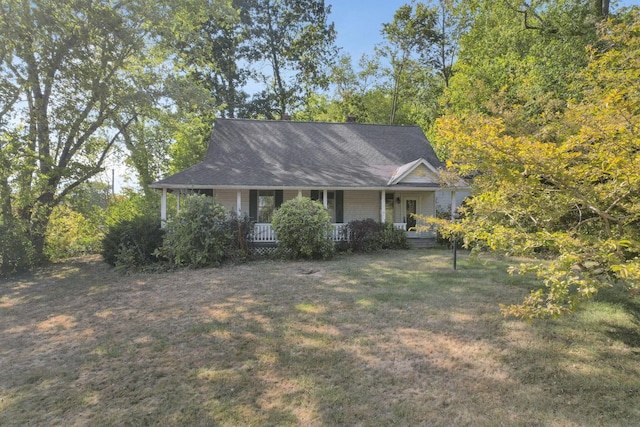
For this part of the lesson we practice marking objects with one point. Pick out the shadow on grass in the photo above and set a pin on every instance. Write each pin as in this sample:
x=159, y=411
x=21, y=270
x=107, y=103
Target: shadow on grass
x=387, y=339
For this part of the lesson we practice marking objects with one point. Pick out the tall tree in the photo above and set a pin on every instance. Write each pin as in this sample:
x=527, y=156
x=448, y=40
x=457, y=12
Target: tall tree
x=453, y=22
x=214, y=52
x=570, y=192
x=514, y=60
x=296, y=41
x=406, y=37
x=63, y=77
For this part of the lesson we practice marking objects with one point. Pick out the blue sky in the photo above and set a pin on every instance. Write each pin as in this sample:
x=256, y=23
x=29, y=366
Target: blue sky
x=358, y=22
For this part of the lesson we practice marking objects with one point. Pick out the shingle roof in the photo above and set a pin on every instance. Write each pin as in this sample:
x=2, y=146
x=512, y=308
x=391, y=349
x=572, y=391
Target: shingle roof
x=304, y=154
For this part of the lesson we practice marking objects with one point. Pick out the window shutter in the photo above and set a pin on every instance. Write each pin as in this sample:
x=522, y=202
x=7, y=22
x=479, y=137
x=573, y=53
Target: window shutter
x=279, y=198
x=339, y=206
x=253, y=205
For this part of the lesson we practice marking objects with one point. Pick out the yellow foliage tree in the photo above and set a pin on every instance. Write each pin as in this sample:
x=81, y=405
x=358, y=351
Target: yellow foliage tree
x=570, y=193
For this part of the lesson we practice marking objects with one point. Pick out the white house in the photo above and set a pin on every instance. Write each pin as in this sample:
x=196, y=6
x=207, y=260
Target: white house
x=358, y=171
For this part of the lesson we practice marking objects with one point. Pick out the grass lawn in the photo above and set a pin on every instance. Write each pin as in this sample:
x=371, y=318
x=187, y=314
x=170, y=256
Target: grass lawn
x=396, y=338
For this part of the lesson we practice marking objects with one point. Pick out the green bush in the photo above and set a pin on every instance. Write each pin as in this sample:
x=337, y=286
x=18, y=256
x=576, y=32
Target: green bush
x=71, y=233
x=368, y=235
x=132, y=243
x=16, y=251
x=237, y=247
x=362, y=234
x=390, y=237
x=204, y=234
x=303, y=229
x=129, y=205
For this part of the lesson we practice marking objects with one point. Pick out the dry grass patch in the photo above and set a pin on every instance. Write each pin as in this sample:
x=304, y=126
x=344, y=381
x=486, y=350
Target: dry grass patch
x=391, y=339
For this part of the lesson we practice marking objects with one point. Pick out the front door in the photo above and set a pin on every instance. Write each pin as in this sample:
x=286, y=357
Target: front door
x=411, y=208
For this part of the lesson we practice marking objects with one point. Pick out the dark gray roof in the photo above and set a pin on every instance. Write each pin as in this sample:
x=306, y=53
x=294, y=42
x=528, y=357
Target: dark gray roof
x=304, y=154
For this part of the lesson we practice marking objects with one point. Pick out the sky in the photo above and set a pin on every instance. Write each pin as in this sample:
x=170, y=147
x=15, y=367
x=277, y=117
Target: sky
x=358, y=23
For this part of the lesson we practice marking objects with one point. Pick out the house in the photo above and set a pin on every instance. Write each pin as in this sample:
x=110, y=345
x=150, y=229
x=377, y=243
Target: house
x=357, y=171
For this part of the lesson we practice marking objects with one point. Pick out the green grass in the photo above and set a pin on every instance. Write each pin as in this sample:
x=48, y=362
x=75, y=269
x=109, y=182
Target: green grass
x=396, y=338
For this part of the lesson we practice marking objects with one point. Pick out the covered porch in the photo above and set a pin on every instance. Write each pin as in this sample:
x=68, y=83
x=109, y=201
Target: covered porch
x=391, y=205
x=263, y=233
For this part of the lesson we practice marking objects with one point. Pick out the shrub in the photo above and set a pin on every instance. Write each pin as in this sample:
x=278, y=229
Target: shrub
x=203, y=234
x=132, y=243
x=361, y=235
x=303, y=229
x=71, y=233
x=237, y=247
x=390, y=237
x=368, y=235
x=16, y=251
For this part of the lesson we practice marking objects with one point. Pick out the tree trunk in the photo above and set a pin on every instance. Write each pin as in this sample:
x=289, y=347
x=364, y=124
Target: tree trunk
x=601, y=8
x=38, y=222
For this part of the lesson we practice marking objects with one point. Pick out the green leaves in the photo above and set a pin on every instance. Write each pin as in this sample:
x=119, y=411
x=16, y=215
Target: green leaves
x=569, y=191
x=303, y=229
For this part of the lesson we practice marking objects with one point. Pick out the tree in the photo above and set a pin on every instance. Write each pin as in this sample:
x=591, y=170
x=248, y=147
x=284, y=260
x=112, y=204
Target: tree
x=294, y=38
x=452, y=22
x=408, y=35
x=515, y=59
x=570, y=192
x=214, y=52
x=63, y=78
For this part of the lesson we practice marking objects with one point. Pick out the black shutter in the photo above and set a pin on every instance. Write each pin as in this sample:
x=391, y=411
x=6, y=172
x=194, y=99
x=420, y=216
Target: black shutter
x=339, y=206
x=279, y=198
x=315, y=194
x=253, y=205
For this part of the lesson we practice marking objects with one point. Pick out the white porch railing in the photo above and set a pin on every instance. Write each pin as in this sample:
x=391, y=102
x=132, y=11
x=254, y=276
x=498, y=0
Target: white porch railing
x=263, y=233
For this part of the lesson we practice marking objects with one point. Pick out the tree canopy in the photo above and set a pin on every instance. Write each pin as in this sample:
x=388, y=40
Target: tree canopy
x=536, y=103
x=570, y=190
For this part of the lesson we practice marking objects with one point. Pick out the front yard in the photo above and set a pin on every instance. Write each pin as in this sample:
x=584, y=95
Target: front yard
x=396, y=338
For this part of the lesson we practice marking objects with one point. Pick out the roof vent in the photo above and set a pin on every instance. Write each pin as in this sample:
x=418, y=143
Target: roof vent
x=351, y=119
x=285, y=117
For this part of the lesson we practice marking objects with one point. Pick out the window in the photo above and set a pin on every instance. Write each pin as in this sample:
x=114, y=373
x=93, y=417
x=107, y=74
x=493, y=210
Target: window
x=331, y=205
x=335, y=202
x=266, y=205
x=389, y=207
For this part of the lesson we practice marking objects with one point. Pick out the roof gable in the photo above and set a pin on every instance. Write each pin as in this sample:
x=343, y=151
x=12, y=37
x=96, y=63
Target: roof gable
x=416, y=172
x=257, y=153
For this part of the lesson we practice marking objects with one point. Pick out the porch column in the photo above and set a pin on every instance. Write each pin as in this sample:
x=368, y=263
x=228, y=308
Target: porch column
x=383, y=206
x=178, y=202
x=454, y=208
x=239, y=202
x=325, y=198
x=163, y=208
x=299, y=194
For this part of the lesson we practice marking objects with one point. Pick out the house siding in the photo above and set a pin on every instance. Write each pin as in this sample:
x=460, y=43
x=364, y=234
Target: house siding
x=228, y=199
x=361, y=205
x=421, y=175
x=443, y=200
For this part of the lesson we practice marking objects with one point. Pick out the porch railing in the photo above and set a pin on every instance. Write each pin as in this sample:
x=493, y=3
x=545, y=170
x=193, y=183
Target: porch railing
x=263, y=233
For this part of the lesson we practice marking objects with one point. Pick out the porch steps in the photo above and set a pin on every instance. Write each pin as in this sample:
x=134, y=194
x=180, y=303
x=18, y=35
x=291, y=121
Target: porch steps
x=422, y=243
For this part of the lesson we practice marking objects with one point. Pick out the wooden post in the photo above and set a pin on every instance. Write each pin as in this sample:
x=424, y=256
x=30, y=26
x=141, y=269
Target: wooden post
x=325, y=198
x=383, y=206
x=239, y=202
x=163, y=208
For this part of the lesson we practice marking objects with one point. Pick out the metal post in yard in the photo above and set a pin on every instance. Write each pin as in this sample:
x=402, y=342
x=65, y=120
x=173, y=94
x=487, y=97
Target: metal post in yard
x=455, y=253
